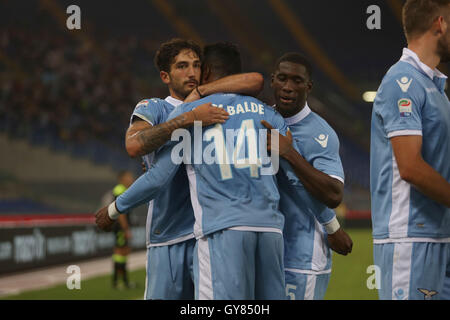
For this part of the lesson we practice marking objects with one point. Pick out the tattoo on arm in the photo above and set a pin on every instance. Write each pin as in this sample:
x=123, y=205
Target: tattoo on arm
x=154, y=137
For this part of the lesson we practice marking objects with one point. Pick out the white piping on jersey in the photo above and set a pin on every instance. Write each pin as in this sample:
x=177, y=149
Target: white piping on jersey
x=398, y=220
x=205, y=285
x=337, y=178
x=299, y=116
x=406, y=240
x=404, y=133
x=146, y=276
x=173, y=101
x=140, y=116
x=319, y=256
x=412, y=58
x=302, y=271
x=198, y=212
x=256, y=229
x=173, y=241
x=310, y=287
x=401, y=271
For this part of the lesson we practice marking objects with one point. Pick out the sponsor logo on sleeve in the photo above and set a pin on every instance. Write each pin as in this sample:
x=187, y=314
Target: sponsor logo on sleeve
x=405, y=107
x=322, y=140
x=404, y=83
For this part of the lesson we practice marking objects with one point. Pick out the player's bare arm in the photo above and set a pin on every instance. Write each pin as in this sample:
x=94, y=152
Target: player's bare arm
x=102, y=219
x=324, y=188
x=245, y=83
x=414, y=170
x=143, y=138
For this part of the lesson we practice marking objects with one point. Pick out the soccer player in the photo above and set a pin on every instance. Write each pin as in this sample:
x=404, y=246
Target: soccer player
x=170, y=219
x=239, y=250
x=409, y=161
x=306, y=202
x=122, y=233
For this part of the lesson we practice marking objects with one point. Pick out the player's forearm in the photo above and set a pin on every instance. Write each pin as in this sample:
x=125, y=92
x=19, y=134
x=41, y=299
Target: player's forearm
x=323, y=187
x=428, y=181
x=144, y=189
x=152, y=138
x=245, y=83
x=123, y=222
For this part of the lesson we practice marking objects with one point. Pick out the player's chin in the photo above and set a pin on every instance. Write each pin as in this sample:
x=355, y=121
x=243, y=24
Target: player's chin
x=188, y=87
x=285, y=107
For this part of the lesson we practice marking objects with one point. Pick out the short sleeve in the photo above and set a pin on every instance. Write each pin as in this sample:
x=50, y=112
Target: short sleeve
x=149, y=110
x=399, y=103
x=324, y=155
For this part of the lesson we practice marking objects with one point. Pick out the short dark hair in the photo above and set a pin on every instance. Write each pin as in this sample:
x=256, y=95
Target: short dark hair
x=223, y=58
x=297, y=58
x=167, y=52
x=418, y=15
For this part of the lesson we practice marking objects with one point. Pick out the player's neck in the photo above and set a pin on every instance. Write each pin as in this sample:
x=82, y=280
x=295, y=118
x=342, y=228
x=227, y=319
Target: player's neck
x=426, y=52
x=176, y=95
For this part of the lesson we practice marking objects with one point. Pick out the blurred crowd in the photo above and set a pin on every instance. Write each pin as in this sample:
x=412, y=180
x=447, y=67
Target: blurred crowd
x=76, y=89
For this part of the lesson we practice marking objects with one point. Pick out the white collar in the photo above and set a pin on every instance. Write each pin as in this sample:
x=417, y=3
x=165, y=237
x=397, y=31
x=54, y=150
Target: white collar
x=411, y=57
x=299, y=116
x=173, y=101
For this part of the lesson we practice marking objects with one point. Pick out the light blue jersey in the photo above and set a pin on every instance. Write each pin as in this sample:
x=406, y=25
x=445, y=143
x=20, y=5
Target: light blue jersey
x=409, y=101
x=225, y=195
x=170, y=217
x=306, y=249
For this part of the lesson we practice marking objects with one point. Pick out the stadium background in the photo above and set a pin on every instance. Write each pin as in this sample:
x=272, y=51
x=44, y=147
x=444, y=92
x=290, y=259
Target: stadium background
x=66, y=97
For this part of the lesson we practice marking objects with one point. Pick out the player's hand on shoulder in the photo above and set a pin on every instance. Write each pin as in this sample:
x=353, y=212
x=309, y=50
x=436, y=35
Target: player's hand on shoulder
x=102, y=219
x=193, y=96
x=340, y=242
x=208, y=114
x=284, y=142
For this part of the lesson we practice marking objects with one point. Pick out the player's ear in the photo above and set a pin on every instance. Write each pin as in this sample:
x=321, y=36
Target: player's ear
x=310, y=85
x=164, y=77
x=439, y=26
x=206, y=73
x=272, y=77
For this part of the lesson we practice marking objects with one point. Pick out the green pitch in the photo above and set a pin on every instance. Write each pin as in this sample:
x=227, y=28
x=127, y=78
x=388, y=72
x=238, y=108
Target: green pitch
x=348, y=279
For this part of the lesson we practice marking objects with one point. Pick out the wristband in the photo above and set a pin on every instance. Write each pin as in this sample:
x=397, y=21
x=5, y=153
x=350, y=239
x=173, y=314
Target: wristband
x=112, y=211
x=332, y=226
x=198, y=91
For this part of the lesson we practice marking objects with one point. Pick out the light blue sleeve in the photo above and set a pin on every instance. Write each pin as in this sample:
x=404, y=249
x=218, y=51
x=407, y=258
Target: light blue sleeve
x=399, y=103
x=325, y=157
x=182, y=108
x=150, y=110
x=148, y=185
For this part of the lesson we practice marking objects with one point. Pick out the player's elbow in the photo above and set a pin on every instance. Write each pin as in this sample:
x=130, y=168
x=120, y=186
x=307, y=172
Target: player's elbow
x=406, y=173
x=334, y=200
x=133, y=149
x=407, y=169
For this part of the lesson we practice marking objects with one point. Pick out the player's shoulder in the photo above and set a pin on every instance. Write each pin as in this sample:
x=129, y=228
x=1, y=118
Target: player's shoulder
x=402, y=78
x=150, y=104
x=317, y=132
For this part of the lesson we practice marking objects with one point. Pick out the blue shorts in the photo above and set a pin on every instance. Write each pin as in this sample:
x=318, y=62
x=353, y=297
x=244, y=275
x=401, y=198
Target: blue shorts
x=170, y=272
x=303, y=286
x=413, y=270
x=244, y=265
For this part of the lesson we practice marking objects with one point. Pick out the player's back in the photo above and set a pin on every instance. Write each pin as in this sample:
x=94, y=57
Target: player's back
x=231, y=187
